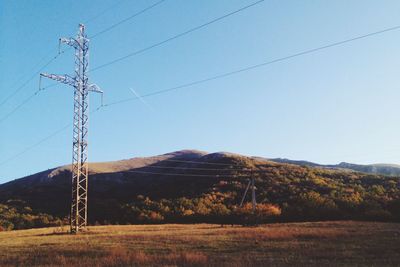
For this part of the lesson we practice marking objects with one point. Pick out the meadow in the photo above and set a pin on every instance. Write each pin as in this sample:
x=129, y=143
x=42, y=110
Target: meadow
x=341, y=243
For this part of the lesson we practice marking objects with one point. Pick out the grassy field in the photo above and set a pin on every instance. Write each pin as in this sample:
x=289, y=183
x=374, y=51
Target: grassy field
x=291, y=244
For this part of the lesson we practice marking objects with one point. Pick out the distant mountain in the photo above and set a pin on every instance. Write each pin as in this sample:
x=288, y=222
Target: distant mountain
x=191, y=185
x=384, y=169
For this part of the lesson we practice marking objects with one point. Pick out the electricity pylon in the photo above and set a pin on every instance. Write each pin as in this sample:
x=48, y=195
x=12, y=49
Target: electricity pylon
x=80, y=169
x=253, y=194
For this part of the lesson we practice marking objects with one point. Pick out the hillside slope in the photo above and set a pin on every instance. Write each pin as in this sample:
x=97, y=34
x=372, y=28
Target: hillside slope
x=193, y=186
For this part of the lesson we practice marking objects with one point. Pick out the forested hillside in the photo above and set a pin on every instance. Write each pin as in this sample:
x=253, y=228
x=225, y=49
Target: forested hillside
x=191, y=186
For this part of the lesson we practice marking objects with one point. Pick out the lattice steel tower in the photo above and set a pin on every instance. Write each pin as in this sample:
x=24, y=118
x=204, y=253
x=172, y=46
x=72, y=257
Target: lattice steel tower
x=80, y=170
x=251, y=184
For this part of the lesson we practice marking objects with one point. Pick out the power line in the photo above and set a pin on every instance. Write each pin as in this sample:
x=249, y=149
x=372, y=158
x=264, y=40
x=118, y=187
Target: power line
x=63, y=51
x=50, y=61
x=104, y=11
x=182, y=174
x=239, y=71
x=244, y=169
x=199, y=162
x=35, y=145
x=30, y=79
x=177, y=36
x=190, y=168
x=128, y=18
x=137, y=52
x=89, y=20
x=29, y=98
x=44, y=66
x=42, y=140
x=248, y=68
x=118, y=23
x=30, y=70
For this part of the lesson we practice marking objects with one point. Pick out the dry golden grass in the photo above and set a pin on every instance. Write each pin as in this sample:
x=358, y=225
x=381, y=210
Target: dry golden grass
x=295, y=244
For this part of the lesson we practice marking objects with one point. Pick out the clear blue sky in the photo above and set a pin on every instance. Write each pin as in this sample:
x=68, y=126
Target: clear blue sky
x=339, y=104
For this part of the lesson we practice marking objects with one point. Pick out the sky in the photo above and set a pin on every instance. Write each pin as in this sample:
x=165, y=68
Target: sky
x=337, y=104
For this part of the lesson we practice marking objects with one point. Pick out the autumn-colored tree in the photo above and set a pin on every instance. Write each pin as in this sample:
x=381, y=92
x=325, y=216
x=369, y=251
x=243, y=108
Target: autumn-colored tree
x=264, y=212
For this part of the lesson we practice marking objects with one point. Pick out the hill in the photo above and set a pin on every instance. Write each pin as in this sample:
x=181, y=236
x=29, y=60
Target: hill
x=194, y=186
x=288, y=244
x=384, y=169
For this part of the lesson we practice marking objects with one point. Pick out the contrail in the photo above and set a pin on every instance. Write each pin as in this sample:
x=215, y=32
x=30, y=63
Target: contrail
x=141, y=99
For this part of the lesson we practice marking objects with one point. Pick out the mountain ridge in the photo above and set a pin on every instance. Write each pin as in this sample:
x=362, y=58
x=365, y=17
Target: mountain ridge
x=140, y=162
x=377, y=168
x=196, y=186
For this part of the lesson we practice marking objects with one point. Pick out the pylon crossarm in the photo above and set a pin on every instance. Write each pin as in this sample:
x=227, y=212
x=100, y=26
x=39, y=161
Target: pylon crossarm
x=60, y=78
x=69, y=41
x=94, y=88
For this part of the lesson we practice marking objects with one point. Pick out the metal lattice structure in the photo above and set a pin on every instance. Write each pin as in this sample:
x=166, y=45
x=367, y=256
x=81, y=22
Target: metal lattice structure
x=253, y=194
x=80, y=169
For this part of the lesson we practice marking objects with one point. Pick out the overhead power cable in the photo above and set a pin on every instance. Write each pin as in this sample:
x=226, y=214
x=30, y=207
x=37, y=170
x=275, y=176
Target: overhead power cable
x=190, y=168
x=29, y=79
x=36, y=144
x=43, y=59
x=53, y=58
x=29, y=98
x=176, y=36
x=241, y=70
x=63, y=51
x=42, y=141
x=182, y=174
x=248, y=68
x=127, y=19
x=199, y=162
x=114, y=5
x=245, y=168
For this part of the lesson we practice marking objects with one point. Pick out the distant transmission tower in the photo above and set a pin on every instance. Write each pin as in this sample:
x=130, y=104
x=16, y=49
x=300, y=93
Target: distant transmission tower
x=80, y=170
x=253, y=194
